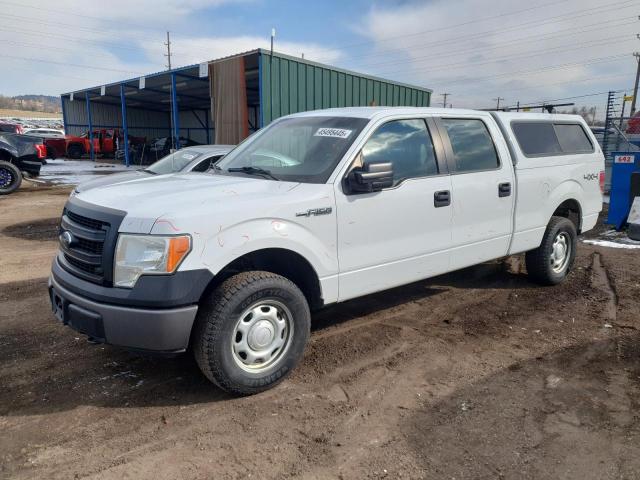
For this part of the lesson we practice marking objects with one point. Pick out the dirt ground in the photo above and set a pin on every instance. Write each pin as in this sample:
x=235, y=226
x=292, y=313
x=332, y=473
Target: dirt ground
x=473, y=375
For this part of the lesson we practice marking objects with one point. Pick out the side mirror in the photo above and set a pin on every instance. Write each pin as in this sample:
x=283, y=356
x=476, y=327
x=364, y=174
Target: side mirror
x=373, y=177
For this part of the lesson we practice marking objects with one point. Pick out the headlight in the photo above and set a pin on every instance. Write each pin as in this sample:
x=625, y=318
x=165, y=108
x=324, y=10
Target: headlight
x=147, y=255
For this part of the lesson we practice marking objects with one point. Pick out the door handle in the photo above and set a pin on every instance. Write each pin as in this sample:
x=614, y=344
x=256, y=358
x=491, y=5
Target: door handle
x=504, y=189
x=441, y=198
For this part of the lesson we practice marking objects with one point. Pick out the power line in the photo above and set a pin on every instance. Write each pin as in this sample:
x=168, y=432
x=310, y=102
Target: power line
x=88, y=67
x=573, y=15
x=537, y=53
x=74, y=39
x=30, y=20
x=510, y=43
x=448, y=27
x=67, y=13
x=540, y=69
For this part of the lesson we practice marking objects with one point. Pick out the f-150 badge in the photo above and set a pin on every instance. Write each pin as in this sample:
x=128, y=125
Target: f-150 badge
x=315, y=211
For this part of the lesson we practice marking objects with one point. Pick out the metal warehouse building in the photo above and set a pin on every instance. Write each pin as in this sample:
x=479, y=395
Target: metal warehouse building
x=224, y=100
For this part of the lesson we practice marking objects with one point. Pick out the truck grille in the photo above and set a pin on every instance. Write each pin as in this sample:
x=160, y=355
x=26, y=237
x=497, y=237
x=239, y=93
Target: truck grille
x=87, y=241
x=84, y=221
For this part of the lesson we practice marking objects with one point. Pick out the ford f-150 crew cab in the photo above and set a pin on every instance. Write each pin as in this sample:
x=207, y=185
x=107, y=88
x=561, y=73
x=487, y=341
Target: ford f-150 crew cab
x=318, y=208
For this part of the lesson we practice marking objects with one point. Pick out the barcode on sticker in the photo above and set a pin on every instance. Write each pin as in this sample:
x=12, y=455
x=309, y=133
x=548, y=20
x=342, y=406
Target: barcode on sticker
x=333, y=132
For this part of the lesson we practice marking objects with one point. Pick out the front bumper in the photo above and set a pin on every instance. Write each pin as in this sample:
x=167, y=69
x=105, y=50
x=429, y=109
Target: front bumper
x=165, y=330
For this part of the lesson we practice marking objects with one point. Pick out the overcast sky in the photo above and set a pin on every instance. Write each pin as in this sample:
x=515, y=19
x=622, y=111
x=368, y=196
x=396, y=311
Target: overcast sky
x=476, y=50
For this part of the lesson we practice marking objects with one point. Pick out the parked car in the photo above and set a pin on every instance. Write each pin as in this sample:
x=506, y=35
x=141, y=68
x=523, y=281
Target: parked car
x=45, y=132
x=318, y=208
x=105, y=142
x=160, y=147
x=191, y=159
x=11, y=128
x=19, y=154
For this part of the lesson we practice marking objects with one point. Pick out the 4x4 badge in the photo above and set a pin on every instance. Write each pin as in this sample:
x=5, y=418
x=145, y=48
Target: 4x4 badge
x=315, y=211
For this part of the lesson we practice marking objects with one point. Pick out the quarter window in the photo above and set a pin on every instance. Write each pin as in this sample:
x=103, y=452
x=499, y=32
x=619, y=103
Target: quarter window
x=548, y=138
x=572, y=138
x=407, y=145
x=472, y=145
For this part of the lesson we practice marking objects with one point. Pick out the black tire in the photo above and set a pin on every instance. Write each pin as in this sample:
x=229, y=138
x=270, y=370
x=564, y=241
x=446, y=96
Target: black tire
x=75, y=151
x=215, y=335
x=541, y=267
x=10, y=178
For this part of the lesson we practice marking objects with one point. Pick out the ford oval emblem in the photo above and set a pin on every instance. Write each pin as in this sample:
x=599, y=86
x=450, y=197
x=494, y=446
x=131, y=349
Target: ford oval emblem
x=66, y=238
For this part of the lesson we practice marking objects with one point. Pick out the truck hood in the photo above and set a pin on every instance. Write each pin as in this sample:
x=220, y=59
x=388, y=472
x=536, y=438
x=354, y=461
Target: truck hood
x=185, y=195
x=111, y=179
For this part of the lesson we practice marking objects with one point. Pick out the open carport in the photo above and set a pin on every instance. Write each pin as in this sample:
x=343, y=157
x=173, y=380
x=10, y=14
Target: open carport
x=224, y=100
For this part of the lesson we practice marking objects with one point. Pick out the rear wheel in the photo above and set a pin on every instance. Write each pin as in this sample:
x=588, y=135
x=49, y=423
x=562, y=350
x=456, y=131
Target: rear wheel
x=551, y=262
x=10, y=178
x=251, y=332
x=75, y=151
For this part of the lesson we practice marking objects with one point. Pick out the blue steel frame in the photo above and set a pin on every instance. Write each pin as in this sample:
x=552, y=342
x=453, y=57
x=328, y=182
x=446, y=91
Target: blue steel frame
x=64, y=114
x=125, y=129
x=87, y=100
x=206, y=122
x=260, y=57
x=176, y=113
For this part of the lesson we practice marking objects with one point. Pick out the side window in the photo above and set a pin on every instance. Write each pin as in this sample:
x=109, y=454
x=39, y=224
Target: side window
x=572, y=138
x=472, y=145
x=407, y=145
x=206, y=164
x=537, y=138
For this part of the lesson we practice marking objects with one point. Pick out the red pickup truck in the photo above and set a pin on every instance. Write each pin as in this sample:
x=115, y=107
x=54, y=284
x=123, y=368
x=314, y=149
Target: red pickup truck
x=105, y=142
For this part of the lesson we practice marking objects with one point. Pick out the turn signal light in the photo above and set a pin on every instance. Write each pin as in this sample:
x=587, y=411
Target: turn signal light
x=178, y=248
x=602, y=181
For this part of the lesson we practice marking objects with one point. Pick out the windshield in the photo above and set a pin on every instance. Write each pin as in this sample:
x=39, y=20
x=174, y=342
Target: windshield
x=174, y=162
x=299, y=149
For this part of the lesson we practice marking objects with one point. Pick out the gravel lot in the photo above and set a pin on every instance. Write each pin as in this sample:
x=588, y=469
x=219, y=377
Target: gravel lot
x=473, y=375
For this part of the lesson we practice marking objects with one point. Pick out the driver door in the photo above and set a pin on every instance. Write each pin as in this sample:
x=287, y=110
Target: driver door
x=402, y=233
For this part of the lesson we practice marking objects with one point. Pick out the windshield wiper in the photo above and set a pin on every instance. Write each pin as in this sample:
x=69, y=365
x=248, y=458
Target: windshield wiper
x=149, y=171
x=253, y=171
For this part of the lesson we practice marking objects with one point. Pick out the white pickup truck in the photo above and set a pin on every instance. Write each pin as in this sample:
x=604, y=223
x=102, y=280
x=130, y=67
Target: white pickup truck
x=318, y=208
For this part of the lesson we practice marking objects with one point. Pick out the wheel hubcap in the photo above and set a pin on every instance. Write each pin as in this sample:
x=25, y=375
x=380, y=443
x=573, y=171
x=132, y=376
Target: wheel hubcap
x=262, y=335
x=5, y=177
x=560, y=252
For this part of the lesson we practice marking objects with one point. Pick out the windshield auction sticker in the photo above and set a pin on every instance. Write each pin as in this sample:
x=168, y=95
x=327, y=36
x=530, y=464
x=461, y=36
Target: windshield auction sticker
x=333, y=132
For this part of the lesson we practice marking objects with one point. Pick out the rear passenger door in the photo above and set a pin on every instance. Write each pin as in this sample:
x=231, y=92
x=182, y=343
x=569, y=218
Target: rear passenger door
x=482, y=190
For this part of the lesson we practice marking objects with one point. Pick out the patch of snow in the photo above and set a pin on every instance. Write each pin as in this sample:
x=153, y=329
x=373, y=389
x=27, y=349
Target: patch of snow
x=610, y=244
x=613, y=239
x=73, y=172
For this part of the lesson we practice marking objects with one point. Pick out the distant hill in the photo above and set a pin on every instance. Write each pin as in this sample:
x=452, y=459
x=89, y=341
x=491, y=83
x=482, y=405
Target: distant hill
x=31, y=103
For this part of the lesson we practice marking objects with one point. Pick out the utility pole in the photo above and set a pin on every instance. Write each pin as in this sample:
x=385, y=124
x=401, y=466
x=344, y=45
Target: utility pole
x=273, y=35
x=444, y=100
x=168, y=55
x=635, y=87
x=498, y=102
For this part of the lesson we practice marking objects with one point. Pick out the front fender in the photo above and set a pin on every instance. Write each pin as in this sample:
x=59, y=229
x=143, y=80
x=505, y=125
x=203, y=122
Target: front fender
x=222, y=245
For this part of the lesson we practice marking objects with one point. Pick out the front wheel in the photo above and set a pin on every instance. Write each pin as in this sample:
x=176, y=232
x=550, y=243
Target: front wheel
x=251, y=332
x=551, y=262
x=10, y=178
